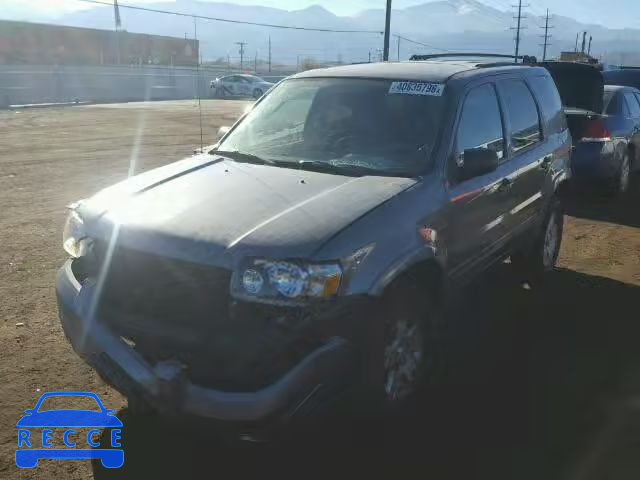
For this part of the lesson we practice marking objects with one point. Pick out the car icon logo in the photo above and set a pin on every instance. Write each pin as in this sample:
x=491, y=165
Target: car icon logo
x=32, y=448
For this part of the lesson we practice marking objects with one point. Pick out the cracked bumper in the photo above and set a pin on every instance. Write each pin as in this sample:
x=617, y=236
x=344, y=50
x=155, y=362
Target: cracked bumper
x=311, y=384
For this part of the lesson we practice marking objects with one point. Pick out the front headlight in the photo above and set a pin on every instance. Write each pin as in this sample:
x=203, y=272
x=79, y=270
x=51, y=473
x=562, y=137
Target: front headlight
x=74, y=237
x=288, y=280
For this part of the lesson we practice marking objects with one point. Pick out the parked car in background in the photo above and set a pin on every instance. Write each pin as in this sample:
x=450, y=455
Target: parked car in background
x=311, y=252
x=603, y=133
x=609, y=151
x=627, y=76
x=240, y=85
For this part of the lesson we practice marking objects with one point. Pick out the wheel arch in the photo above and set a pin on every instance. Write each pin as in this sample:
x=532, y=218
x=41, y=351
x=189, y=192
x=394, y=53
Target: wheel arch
x=421, y=268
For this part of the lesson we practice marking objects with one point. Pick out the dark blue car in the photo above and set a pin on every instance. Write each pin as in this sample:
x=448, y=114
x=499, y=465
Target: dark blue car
x=608, y=149
x=68, y=419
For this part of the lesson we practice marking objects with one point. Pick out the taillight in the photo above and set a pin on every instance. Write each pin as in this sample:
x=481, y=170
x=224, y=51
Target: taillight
x=597, y=132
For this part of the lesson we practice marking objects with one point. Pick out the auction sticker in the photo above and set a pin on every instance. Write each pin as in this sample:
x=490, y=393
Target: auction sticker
x=417, y=88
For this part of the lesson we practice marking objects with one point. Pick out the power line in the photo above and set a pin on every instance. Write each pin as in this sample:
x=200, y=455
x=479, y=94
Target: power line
x=519, y=27
x=242, y=44
x=546, y=36
x=226, y=20
x=420, y=43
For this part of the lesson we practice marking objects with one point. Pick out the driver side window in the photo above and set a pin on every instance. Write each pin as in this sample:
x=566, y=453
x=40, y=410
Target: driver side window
x=480, y=126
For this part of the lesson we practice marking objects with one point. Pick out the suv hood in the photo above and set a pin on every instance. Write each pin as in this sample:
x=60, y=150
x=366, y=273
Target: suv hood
x=580, y=85
x=214, y=206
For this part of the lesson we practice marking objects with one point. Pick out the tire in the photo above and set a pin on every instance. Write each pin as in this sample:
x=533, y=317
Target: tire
x=540, y=258
x=257, y=93
x=623, y=179
x=139, y=406
x=407, y=354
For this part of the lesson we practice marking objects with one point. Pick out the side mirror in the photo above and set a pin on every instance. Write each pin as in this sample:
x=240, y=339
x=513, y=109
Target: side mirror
x=478, y=161
x=222, y=131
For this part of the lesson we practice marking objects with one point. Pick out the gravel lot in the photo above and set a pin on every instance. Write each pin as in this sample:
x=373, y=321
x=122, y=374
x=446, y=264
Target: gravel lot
x=546, y=378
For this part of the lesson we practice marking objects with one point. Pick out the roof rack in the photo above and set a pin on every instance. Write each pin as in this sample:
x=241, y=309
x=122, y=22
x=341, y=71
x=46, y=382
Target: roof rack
x=526, y=59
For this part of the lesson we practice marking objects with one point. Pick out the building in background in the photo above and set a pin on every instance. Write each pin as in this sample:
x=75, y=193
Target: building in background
x=23, y=43
x=581, y=57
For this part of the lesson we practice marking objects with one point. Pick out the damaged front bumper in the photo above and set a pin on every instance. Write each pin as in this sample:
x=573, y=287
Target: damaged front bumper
x=311, y=384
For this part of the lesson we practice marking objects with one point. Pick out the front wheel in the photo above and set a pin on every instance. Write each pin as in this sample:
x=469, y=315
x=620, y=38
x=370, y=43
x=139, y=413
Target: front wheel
x=541, y=257
x=408, y=352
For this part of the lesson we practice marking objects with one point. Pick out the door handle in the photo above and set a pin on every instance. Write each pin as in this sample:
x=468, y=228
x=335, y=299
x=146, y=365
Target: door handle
x=505, y=185
x=546, y=162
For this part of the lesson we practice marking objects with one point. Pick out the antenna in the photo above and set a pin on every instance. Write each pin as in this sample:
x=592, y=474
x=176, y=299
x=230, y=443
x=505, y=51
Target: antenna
x=195, y=35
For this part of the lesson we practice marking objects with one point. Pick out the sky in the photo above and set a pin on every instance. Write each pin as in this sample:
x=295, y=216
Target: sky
x=611, y=13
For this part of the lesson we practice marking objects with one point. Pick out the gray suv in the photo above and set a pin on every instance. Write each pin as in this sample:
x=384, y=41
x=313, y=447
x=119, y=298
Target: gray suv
x=310, y=252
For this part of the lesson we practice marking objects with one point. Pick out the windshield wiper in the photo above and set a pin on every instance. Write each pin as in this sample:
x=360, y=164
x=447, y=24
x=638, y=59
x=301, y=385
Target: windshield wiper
x=243, y=157
x=344, y=168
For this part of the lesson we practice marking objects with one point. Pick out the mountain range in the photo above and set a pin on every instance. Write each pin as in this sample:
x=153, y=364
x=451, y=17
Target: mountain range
x=463, y=25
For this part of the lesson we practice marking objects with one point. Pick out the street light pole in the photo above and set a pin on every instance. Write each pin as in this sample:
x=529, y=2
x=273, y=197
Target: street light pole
x=387, y=28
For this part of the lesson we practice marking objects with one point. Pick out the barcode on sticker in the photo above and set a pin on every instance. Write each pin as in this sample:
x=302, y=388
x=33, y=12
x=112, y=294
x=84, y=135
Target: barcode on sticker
x=417, y=88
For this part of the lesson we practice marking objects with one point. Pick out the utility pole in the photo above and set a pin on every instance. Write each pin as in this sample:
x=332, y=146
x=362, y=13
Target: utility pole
x=369, y=56
x=546, y=36
x=118, y=24
x=255, y=63
x=518, y=28
x=398, y=47
x=576, y=47
x=387, y=31
x=242, y=44
x=590, y=39
x=269, y=53
x=584, y=41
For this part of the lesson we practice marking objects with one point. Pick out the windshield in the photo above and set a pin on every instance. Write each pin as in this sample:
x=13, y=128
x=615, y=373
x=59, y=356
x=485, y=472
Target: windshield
x=341, y=122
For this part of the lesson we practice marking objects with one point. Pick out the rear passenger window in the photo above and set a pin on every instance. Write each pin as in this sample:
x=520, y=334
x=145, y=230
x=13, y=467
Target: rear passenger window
x=550, y=103
x=632, y=103
x=523, y=114
x=480, y=123
x=623, y=107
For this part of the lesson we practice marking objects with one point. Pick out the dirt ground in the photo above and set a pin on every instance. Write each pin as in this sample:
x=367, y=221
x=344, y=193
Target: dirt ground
x=548, y=384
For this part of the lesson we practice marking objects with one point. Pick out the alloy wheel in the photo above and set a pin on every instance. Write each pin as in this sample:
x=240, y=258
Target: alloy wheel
x=551, y=240
x=402, y=357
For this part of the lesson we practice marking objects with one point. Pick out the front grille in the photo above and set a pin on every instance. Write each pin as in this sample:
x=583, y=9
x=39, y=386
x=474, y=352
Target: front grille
x=165, y=289
x=171, y=309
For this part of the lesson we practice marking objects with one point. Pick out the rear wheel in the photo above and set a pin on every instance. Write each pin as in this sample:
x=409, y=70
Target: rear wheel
x=257, y=93
x=542, y=255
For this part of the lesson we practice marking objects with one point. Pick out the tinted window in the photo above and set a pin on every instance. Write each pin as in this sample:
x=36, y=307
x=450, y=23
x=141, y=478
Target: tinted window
x=630, y=78
x=550, y=103
x=523, y=114
x=609, y=103
x=480, y=123
x=617, y=105
x=632, y=103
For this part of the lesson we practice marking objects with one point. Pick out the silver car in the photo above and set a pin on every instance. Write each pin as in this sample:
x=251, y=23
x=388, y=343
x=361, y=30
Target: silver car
x=240, y=85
